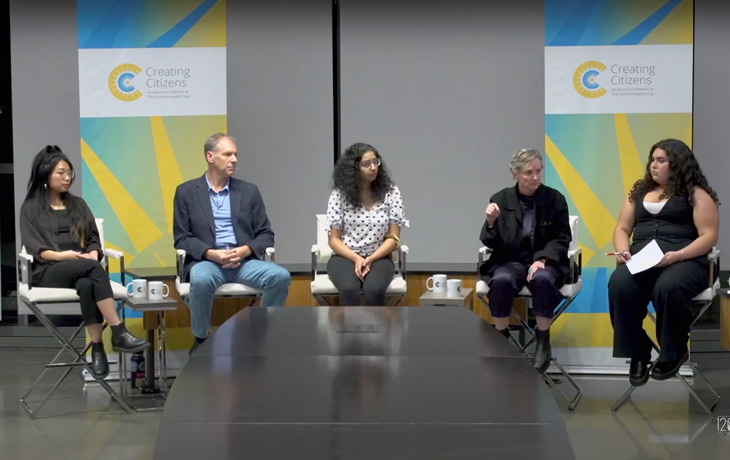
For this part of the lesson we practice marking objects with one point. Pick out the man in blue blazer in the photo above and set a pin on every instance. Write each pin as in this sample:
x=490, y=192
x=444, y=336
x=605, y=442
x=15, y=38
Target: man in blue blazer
x=221, y=223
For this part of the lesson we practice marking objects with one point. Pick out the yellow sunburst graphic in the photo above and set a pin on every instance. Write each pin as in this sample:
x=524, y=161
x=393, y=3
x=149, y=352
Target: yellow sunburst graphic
x=585, y=79
x=121, y=82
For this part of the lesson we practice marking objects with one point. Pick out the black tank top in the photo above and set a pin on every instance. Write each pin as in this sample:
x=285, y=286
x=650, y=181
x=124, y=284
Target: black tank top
x=673, y=227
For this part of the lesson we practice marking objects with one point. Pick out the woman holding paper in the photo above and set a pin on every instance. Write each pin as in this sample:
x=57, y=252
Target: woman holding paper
x=674, y=206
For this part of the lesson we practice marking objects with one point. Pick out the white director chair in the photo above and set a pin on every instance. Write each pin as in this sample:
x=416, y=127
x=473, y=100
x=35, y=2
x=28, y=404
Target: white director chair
x=43, y=302
x=322, y=286
x=701, y=303
x=570, y=290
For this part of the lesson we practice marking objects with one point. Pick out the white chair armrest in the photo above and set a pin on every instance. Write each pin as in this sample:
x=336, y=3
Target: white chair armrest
x=270, y=251
x=404, y=249
x=315, y=250
x=485, y=250
x=26, y=257
x=113, y=253
x=574, y=252
x=269, y=254
x=714, y=255
x=181, y=252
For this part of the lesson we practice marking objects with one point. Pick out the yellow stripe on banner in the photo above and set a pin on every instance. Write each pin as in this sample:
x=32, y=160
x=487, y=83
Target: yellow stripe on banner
x=167, y=167
x=632, y=168
x=594, y=213
x=141, y=230
x=588, y=253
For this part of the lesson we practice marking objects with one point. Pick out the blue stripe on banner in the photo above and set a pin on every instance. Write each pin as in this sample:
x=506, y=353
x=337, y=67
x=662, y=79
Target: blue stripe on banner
x=106, y=32
x=573, y=27
x=172, y=36
x=640, y=32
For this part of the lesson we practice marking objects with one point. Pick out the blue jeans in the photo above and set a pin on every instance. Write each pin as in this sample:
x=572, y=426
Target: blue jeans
x=207, y=276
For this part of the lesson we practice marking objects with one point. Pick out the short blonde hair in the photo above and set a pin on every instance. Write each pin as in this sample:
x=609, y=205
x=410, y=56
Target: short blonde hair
x=522, y=157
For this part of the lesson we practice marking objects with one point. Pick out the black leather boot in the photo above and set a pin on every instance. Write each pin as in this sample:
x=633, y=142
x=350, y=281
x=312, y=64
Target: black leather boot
x=99, y=363
x=541, y=360
x=123, y=340
x=639, y=372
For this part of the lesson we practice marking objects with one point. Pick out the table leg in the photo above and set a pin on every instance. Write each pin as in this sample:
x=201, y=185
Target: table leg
x=150, y=362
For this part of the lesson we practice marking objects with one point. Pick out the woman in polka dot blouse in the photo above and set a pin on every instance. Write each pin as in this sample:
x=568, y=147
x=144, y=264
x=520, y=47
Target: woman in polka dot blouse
x=364, y=216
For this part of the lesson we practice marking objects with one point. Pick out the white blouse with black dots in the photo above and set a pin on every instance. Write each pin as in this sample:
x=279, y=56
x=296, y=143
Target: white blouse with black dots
x=364, y=231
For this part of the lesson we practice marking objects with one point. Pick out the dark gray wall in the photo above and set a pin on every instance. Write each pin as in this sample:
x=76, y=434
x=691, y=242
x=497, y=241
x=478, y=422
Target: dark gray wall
x=280, y=110
x=462, y=84
x=44, y=69
x=447, y=91
x=711, y=107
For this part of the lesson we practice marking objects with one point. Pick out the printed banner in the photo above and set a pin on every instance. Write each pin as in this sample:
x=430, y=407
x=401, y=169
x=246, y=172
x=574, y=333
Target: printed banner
x=618, y=78
x=152, y=88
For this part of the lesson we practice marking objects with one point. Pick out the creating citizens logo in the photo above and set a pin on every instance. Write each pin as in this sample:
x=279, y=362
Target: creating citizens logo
x=585, y=79
x=121, y=82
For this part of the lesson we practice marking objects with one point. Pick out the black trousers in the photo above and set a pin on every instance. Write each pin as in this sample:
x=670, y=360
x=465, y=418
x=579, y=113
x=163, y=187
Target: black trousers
x=89, y=279
x=342, y=273
x=670, y=289
x=509, y=278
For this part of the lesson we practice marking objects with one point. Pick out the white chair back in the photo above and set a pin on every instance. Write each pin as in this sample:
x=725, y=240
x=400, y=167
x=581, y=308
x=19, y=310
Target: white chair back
x=325, y=252
x=573, y=232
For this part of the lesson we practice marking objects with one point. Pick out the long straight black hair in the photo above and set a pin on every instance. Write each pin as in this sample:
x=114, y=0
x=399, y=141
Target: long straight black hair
x=43, y=166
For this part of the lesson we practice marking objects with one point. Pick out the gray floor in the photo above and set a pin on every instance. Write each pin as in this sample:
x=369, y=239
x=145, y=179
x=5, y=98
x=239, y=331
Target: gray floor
x=77, y=424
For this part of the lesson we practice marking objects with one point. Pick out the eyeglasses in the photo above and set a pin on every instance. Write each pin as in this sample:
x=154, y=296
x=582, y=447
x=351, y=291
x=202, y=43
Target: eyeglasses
x=70, y=174
x=367, y=163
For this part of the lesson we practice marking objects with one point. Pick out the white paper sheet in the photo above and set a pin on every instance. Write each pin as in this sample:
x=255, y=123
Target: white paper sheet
x=645, y=259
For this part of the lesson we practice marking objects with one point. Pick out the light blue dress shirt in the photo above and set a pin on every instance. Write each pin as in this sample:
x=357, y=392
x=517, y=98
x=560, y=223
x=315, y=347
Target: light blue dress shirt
x=221, y=204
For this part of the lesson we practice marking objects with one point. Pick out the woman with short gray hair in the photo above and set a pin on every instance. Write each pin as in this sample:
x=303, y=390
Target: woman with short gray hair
x=528, y=230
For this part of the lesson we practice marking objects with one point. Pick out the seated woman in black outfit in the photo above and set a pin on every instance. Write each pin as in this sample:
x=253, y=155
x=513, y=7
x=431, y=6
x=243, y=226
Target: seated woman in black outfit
x=674, y=205
x=59, y=231
x=528, y=229
x=365, y=216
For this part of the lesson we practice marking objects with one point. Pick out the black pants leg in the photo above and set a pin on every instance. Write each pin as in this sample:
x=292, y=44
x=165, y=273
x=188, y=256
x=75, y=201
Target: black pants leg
x=377, y=282
x=342, y=273
x=628, y=298
x=545, y=293
x=89, y=279
x=507, y=280
x=672, y=297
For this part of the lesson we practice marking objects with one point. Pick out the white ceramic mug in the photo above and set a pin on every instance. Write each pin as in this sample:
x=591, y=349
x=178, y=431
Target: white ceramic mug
x=453, y=288
x=438, y=283
x=139, y=289
x=158, y=290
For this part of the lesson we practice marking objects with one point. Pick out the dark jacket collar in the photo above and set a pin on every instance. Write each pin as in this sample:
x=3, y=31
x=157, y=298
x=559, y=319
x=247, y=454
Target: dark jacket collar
x=512, y=201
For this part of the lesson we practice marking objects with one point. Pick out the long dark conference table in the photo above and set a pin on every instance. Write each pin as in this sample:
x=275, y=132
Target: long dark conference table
x=359, y=383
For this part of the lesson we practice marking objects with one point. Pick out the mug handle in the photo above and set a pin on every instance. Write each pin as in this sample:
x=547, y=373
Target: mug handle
x=165, y=294
x=430, y=288
x=130, y=293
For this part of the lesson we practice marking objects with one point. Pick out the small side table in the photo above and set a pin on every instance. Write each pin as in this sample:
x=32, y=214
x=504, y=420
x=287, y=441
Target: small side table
x=151, y=274
x=724, y=294
x=159, y=307
x=441, y=299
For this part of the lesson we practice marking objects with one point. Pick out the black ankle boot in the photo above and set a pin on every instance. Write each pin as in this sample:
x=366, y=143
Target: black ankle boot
x=541, y=360
x=99, y=363
x=504, y=332
x=123, y=340
x=198, y=342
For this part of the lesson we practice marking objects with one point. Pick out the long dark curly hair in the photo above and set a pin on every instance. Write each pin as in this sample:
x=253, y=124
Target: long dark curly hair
x=346, y=176
x=684, y=173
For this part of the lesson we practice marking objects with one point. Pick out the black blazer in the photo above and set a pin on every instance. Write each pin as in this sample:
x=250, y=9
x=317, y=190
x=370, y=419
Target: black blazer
x=552, y=230
x=194, y=226
x=39, y=232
